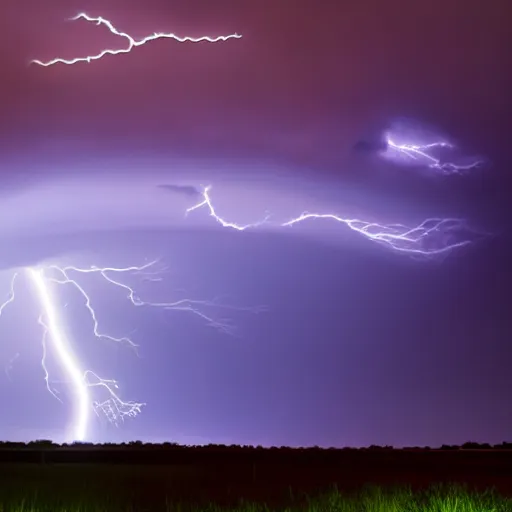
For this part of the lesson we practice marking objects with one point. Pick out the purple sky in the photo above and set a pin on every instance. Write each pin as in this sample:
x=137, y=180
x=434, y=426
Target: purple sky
x=358, y=345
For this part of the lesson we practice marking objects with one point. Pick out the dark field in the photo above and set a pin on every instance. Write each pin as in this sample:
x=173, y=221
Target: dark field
x=163, y=478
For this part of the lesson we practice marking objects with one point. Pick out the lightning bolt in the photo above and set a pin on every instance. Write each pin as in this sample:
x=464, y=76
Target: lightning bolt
x=84, y=381
x=432, y=237
x=132, y=43
x=53, y=326
x=425, y=154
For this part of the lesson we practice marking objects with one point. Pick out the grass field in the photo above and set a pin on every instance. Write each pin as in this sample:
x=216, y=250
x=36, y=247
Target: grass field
x=437, y=498
x=224, y=479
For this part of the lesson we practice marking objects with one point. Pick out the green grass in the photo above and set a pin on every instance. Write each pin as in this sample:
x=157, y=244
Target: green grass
x=441, y=498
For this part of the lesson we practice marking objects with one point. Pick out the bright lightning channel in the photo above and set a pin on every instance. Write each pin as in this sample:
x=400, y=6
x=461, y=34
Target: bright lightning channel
x=415, y=241
x=132, y=43
x=432, y=237
x=83, y=381
x=423, y=153
x=53, y=326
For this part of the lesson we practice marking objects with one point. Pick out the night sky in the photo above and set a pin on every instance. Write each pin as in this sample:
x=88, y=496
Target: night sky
x=358, y=344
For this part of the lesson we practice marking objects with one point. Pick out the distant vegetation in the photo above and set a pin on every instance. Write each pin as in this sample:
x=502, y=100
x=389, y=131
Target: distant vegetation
x=47, y=444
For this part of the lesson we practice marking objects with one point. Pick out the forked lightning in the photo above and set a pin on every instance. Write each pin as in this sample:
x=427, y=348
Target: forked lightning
x=132, y=43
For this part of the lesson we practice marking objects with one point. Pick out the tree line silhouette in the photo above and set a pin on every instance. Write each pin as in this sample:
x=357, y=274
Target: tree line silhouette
x=47, y=444
x=138, y=452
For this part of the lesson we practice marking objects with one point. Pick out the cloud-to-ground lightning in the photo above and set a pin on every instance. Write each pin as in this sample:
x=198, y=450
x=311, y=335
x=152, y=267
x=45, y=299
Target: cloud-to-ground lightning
x=432, y=237
x=53, y=327
x=45, y=280
x=88, y=391
x=132, y=43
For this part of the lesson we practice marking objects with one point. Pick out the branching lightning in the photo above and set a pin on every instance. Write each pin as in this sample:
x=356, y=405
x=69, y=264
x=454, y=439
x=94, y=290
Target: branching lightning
x=83, y=382
x=424, y=154
x=432, y=237
x=53, y=327
x=132, y=43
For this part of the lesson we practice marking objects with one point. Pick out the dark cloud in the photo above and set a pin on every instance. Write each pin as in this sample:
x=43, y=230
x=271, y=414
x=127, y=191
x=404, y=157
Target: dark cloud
x=184, y=190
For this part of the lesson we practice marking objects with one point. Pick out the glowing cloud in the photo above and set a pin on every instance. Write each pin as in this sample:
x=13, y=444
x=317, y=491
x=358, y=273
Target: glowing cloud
x=132, y=43
x=409, y=145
